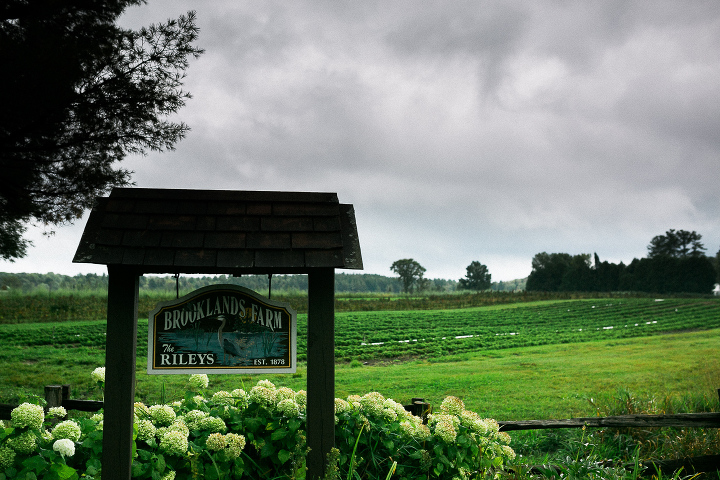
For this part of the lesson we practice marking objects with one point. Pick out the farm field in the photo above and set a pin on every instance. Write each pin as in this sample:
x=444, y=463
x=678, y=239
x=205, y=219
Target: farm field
x=518, y=361
x=557, y=353
x=391, y=335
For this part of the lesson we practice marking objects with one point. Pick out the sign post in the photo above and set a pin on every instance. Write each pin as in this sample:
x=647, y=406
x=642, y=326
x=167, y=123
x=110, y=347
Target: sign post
x=222, y=329
x=137, y=231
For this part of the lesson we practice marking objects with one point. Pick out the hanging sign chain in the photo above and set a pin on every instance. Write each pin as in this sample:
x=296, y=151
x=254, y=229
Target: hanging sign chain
x=269, y=285
x=177, y=285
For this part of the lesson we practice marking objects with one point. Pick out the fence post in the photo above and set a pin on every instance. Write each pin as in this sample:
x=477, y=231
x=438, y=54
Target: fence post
x=53, y=395
x=65, y=392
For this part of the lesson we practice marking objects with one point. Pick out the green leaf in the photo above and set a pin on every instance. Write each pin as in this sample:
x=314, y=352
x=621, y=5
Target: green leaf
x=284, y=455
x=36, y=463
x=294, y=424
x=267, y=450
x=278, y=434
x=159, y=462
x=138, y=468
x=252, y=424
x=63, y=471
x=93, y=466
x=144, y=455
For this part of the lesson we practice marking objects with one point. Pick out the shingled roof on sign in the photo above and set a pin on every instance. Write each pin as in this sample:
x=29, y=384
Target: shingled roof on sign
x=220, y=231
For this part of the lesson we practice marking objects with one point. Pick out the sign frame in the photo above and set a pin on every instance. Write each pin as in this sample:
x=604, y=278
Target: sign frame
x=222, y=329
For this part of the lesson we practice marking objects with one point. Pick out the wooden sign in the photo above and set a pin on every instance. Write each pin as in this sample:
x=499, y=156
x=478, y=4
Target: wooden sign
x=222, y=329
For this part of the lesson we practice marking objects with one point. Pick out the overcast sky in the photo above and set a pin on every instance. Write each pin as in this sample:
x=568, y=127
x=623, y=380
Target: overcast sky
x=460, y=130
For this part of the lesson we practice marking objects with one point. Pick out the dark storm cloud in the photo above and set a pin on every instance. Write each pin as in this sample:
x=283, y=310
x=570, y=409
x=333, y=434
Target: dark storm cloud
x=461, y=130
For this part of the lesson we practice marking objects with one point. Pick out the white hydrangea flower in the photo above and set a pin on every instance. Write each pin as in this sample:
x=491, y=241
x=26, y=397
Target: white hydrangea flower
x=473, y=421
x=179, y=425
x=492, y=425
x=223, y=397
x=24, y=443
x=301, y=399
x=508, y=452
x=503, y=438
x=235, y=444
x=452, y=405
x=174, y=443
x=445, y=430
x=216, y=442
x=7, y=457
x=28, y=415
x=141, y=410
x=284, y=393
x=389, y=414
x=415, y=429
x=212, y=424
x=64, y=447
x=146, y=430
x=67, y=429
x=193, y=417
x=199, y=381
x=170, y=475
x=241, y=397
x=266, y=384
x=341, y=406
x=289, y=408
x=162, y=414
x=372, y=403
x=57, y=412
x=397, y=408
x=98, y=375
x=263, y=395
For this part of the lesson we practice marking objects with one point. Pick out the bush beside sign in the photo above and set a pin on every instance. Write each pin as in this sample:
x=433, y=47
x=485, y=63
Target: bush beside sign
x=222, y=329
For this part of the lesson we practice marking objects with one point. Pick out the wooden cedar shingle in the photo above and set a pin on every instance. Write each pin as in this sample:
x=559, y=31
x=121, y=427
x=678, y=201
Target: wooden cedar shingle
x=220, y=231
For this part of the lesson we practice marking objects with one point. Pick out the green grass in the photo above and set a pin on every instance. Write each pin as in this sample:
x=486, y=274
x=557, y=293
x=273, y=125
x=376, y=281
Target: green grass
x=552, y=381
x=551, y=370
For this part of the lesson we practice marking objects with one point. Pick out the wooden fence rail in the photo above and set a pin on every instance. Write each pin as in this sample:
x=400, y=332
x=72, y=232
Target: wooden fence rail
x=704, y=420
x=57, y=396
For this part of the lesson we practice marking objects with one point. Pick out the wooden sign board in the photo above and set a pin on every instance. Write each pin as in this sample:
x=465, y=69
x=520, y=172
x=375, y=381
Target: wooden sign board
x=222, y=329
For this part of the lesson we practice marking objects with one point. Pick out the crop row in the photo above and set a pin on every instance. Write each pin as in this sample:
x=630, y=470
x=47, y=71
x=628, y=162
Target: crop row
x=366, y=335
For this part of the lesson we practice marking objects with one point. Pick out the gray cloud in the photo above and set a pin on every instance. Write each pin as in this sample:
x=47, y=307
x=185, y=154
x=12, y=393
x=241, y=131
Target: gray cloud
x=461, y=131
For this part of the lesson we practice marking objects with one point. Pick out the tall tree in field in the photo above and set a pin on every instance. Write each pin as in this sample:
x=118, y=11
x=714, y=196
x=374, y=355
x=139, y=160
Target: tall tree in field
x=547, y=272
x=77, y=94
x=477, y=277
x=676, y=244
x=410, y=273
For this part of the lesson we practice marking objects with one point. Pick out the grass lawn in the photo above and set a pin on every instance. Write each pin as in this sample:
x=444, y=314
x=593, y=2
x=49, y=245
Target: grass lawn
x=543, y=382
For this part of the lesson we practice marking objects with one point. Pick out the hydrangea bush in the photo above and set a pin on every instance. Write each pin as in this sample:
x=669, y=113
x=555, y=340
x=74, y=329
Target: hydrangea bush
x=259, y=433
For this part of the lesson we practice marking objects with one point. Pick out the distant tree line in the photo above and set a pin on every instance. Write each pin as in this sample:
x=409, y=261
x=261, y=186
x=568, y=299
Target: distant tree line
x=346, y=283
x=676, y=263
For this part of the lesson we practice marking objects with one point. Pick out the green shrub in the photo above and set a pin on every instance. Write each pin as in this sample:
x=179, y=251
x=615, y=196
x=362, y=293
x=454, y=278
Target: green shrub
x=258, y=433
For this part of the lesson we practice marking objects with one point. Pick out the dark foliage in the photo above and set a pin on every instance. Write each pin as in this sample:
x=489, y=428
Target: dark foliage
x=560, y=272
x=78, y=94
x=410, y=273
x=477, y=277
